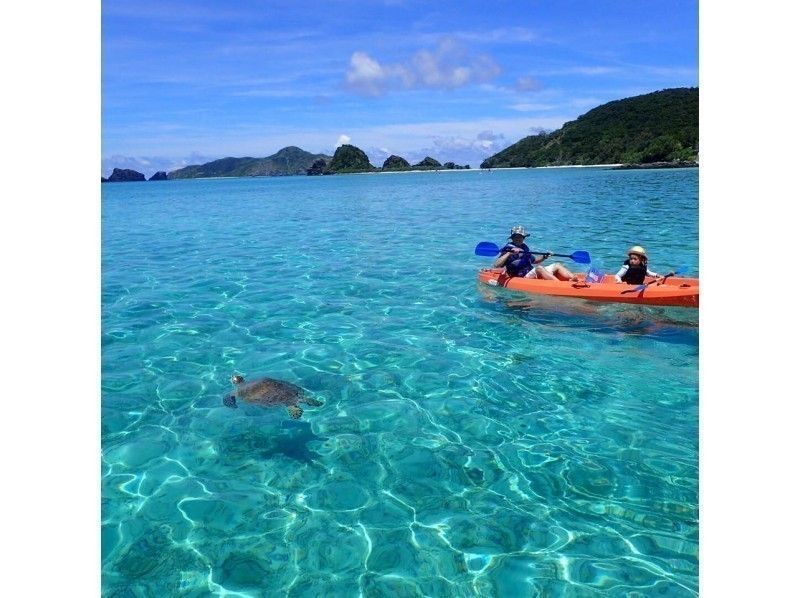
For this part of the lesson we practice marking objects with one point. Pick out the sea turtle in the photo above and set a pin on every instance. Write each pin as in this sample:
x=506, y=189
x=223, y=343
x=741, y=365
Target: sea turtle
x=269, y=392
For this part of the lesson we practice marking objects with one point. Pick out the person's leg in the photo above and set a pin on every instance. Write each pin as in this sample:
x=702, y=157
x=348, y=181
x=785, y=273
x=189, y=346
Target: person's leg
x=561, y=272
x=544, y=272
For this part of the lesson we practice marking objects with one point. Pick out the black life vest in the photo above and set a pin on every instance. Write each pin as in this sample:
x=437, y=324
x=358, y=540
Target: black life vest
x=519, y=265
x=635, y=274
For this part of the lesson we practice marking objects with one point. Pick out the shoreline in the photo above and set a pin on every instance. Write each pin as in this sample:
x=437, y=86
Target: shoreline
x=612, y=166
x=437, y=170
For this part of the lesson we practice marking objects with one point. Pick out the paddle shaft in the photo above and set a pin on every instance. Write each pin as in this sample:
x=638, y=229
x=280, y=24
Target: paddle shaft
x=489, y=249
x=642, y=287
x=542, y=253
x=532, y=252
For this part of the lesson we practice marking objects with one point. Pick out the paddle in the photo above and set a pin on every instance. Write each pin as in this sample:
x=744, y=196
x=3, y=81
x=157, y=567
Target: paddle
x=489, y=249
x=642, y=287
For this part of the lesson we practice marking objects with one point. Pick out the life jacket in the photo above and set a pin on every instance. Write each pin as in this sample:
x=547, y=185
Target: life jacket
x=520, y=265
x=635, y=274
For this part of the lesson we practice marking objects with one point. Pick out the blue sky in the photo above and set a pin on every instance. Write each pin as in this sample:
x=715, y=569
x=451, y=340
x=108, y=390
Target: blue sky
x=189, y=82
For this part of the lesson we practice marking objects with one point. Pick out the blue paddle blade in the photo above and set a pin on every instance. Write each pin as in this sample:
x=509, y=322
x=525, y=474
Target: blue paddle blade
x=582, y=257
x=487, y=249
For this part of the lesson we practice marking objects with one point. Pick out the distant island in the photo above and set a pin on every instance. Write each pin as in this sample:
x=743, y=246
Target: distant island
x=655, y=130
x=126, y=175
x=287, y=162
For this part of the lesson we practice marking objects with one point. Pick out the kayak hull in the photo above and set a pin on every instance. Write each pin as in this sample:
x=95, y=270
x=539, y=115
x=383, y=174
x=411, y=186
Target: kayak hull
x=676, y=292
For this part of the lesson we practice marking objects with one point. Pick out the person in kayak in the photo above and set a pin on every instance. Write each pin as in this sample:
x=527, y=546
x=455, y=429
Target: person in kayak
x=518, y=260
x=634, y=269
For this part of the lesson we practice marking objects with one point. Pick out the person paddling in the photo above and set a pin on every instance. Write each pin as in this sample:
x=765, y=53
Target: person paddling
x=634, y=269
x=518, y=260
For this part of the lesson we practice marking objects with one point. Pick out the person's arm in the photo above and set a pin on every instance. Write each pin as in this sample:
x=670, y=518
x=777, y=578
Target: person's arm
x=501, y=261
x=506, y=251
x=653, y=274
x=618, y=276
x=538, y=260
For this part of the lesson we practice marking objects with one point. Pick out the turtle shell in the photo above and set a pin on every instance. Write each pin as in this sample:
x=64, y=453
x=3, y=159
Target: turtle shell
x=269, y=392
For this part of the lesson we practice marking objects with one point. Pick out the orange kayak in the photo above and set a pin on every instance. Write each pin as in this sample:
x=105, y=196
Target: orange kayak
x=680, y=292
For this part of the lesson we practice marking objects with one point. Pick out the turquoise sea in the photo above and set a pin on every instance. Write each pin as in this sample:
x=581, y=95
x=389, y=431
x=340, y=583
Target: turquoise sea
x=472, y=442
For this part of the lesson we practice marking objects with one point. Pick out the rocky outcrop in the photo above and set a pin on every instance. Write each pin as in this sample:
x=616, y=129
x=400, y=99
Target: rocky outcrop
x=349, y=158
x=427, y=164
x=454, y=166
x=159, y=176
x=125, y=175
x=396, y=163
x=103, y=179
x=317, y=168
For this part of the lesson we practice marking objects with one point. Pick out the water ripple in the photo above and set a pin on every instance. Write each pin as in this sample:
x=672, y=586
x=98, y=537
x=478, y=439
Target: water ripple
x=471, y=441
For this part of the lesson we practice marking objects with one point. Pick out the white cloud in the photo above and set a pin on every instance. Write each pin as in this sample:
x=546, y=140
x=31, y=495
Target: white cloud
x=509, y=35
x=489, y=136
x=590, y=71
x=458, y=148
x=365, y=74
x=462, y=142
x=593, y=70
x=449, y=66
x=343, y=140
x=527, y=84
x=528, y=107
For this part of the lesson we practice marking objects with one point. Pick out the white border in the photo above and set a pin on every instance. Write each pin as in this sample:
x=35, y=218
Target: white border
x=51, y=315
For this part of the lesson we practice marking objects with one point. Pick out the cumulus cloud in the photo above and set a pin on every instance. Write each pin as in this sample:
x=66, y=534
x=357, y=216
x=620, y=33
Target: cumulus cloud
x=463, y=150
x=449, y=66
x=539, y=130
x=343, y=140
x=489, y=136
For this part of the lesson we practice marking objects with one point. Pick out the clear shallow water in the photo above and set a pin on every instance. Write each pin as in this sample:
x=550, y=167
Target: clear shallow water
x=472, y=441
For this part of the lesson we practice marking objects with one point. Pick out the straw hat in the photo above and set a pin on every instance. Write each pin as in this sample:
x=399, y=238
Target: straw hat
x=638, y=250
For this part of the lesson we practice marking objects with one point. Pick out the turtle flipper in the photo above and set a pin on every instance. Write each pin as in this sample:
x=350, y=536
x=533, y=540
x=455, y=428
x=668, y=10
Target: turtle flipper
x=310, y=401
x=294, y=411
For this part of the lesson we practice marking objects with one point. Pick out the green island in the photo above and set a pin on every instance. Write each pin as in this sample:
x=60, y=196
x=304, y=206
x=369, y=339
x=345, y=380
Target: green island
x=288, y=161
x=654, y=130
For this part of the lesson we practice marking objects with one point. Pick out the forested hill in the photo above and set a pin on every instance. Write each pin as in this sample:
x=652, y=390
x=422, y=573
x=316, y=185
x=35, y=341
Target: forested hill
x=289, y=160
x=656, y=127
